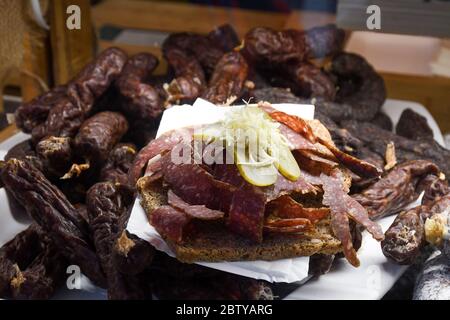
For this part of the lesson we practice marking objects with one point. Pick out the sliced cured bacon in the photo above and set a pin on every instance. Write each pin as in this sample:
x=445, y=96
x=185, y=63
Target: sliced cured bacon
x=169, y=222
x=246, y=216
x=287, y=208
x=193, y=211
x=164, y=143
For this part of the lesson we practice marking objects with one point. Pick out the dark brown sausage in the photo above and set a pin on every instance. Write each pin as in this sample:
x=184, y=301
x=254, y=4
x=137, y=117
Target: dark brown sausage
x=99, y=134
x=141, y=100
x=228, y=78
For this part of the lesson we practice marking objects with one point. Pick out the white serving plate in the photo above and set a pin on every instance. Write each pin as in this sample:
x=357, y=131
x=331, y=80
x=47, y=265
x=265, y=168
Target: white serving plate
x=371, y=280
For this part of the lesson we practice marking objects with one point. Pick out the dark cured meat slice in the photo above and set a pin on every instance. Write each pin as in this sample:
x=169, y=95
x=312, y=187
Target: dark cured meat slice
x=191, y=182
x=291, y=229
x=290, y=222
x=318, y=158
x=295, y=140
x=359, y=214
x=164, y=143
x=169, y=222
x=230, y=174
x=284, y=186
x=360, y=167
x=288, y=208
x=193, y=211
x=310, y=178
x=246, y=216
x=308, y=160
x=339, y=220
x=295, y=123
x=395, y=190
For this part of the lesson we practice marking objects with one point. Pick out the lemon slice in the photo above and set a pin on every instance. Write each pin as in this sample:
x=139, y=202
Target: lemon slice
x=261, y=173
x=286, y=163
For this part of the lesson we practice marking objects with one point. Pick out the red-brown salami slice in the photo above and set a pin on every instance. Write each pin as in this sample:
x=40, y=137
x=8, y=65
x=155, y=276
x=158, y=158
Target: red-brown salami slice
x=287, y=208
x=191, y=182
x=164, y=143
x=246, y=216
x=193, y=211
x=224, y=195
x=229, y=173
x=169, y=222
x=284, y=186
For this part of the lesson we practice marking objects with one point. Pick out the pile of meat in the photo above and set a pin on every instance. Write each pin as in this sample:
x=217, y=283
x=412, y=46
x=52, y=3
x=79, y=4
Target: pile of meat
x=217, y=191
x=71, y=177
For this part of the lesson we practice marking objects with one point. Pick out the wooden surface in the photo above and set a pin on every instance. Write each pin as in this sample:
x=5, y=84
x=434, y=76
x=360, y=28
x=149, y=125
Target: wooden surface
x=35, y=78
x=171, y=17
x=8, y=132
x=71, y=49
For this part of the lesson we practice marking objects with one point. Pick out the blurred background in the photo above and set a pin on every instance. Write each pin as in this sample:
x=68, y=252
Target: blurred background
x=38, y=51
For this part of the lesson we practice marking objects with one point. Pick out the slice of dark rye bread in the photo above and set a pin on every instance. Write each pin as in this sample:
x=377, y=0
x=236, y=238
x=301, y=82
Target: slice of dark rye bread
x=212, y=242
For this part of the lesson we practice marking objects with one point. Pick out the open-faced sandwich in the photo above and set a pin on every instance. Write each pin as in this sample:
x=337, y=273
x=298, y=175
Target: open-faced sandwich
x=258, y=185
